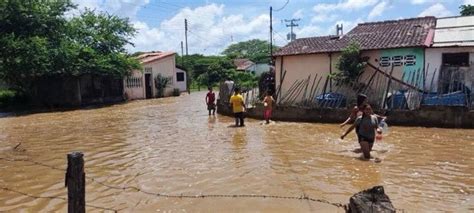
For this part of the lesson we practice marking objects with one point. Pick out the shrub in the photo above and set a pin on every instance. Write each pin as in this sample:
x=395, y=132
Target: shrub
x=176, y=92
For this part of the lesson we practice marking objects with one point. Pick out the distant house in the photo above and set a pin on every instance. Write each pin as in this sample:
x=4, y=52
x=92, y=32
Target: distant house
x=141, y=83
x=397, y=43
x=243, y=64
x=450, y=59
x=247, y=65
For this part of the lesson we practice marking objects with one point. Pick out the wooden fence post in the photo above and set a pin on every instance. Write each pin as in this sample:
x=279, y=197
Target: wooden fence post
x=76, y=183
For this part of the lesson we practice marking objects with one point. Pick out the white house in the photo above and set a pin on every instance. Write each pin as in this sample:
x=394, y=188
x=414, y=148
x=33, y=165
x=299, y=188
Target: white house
x=449, y=61
x=181, y=79
x=141, y=83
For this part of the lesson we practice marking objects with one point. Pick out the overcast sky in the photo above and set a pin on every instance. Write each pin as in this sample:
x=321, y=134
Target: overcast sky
x=214, y=24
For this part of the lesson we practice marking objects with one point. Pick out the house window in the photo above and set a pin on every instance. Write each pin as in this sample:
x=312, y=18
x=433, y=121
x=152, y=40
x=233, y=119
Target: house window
x=397, y=60
x=410, y=60
x=456, y=59
x=385, y=61
x=180, y=76
x=148, y=69
x=134, y=82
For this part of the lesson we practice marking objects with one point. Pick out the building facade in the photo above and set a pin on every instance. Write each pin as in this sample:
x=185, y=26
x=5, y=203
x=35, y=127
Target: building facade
x=142, y=84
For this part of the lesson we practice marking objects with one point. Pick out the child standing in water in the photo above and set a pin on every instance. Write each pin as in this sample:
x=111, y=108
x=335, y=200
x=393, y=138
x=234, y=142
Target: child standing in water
x=366, y=126
x=361, y=100
x=211, y=101
x=267, y=109
x=356, y=111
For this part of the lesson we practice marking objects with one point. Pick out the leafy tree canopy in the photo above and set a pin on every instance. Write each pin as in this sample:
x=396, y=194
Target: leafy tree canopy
x=350, y=65
x=467, y=10
x=255, y=50
x=36, y=40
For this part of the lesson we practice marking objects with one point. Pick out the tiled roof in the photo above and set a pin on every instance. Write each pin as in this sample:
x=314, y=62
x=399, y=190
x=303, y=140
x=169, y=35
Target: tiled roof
x=153, y=56
x=373, y=35
x=243, y=63
x=312, y=45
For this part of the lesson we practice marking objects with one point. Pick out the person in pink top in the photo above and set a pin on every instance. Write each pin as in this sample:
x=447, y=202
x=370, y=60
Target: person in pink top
x=211, y=101
x=267, y=109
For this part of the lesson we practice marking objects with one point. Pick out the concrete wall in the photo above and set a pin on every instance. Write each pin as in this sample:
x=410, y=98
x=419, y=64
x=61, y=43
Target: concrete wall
x=444, y=117
x=134, y=85
x=181, y=85
x=434, y=60
x=167, y=68
x=299, y=67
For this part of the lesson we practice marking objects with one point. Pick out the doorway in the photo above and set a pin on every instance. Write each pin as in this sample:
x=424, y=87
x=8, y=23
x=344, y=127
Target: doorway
x=148, y=86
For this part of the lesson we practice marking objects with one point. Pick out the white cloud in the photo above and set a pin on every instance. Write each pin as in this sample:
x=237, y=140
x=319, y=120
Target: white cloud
x=471, y=2
x=122, y=8
x=428, y=1
x=298, y=14
x=323, y=18
x=347, y=26
x=344, y=5
x=308, y=31
x=437, y=10
x=210, y=30
x=378, y=9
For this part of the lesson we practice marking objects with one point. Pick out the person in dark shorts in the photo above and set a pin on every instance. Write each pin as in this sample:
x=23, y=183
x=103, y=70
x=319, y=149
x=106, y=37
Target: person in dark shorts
x=366, y=126
x=238, y=107
x=211, y=101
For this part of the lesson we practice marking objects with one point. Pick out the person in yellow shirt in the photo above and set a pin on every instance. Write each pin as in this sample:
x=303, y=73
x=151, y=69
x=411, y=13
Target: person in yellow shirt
x=238, y=107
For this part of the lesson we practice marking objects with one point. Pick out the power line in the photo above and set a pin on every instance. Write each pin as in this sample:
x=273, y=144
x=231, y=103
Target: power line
x=283, y=7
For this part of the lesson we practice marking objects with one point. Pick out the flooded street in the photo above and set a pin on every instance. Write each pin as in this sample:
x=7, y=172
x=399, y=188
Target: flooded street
x=171, y=146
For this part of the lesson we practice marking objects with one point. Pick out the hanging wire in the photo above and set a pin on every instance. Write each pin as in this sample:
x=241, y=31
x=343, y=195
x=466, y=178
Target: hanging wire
x=283, y=7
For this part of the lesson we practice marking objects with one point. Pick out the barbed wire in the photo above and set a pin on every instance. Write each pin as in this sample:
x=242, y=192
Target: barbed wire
x=180, y=196
x=53, y=198
x=183, y=196
x=34, y=163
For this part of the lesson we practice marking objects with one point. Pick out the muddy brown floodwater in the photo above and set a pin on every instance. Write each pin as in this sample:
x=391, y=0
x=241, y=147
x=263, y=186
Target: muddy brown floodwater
x=171, y=146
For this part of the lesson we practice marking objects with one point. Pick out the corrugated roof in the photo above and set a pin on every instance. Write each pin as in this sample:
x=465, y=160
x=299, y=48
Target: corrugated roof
x=373, y=35
x=153, y=56
x=454, y=31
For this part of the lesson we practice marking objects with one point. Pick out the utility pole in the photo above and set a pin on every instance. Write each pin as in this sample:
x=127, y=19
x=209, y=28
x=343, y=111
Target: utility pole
x=186, y=34
x=271, y=36
x=182, y=54
x=292, y=24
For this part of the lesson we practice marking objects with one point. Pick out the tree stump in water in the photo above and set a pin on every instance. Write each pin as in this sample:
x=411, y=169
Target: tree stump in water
x=371, y=200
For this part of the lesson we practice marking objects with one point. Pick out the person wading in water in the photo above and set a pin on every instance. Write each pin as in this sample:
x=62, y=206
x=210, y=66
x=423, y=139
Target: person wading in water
x=366, y=126
x=211, y=101
x=238, y=107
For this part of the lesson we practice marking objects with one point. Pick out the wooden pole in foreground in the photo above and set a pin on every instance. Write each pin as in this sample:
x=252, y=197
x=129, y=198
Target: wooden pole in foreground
x=76, y=183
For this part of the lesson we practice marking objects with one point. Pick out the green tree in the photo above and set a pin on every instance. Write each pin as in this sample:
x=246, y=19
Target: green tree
x=97, y=45
x=31, y=36
x=466, y=10
x=36, y=40
x=255, y=50
x=350, y=65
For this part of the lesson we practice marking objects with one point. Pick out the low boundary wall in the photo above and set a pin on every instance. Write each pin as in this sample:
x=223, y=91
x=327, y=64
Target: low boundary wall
x=444, y=117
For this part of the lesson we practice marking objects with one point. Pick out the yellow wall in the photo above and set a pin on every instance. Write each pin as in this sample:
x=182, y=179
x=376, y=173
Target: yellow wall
x=299, y=67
